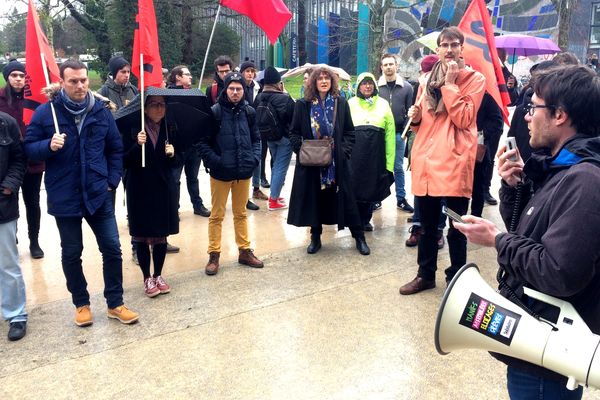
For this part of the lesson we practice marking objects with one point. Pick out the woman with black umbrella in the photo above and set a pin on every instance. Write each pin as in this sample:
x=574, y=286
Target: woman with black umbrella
x=152, y=200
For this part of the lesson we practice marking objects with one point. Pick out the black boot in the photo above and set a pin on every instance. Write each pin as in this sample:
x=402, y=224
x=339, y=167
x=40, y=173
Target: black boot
x=315, y=244
x=35, y=250
x=361, y=245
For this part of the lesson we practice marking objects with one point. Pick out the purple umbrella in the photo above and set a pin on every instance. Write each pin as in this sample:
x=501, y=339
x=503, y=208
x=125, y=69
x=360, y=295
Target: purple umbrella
x=524, y=45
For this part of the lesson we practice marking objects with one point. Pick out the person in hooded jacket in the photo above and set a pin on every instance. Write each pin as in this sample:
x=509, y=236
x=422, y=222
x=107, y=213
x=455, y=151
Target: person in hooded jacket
x=117, y=87
x=231, y=153
x=374, y=150
x=11, y=102
x=550, y=207
x=280, y=148
x=324, y=195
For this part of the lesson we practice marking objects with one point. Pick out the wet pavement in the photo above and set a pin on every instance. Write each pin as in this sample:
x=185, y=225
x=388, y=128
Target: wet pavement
x=325, y=326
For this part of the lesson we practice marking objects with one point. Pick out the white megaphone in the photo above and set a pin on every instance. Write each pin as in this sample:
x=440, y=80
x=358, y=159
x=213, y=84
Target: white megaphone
x=473, y=315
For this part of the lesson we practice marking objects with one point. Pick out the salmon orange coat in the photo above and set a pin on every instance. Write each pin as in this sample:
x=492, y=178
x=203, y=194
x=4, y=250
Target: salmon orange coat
x=443, y=153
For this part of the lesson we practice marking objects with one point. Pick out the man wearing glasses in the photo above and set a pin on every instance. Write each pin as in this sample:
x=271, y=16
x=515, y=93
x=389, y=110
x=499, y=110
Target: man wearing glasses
x=443, y=154
x=555, y=246
x=231, y=153
x=181, y=78
x=223, y=66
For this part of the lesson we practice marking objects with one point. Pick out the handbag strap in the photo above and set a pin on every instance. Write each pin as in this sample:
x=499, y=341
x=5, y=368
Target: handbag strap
x=335, y=103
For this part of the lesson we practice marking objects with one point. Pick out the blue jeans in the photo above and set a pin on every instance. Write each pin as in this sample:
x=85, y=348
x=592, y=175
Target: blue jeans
x=281, y=154
x=191, y=164
x=104, y=226
x=12, y=286
x=398, y=170
x=256, y=176
x=524, y=386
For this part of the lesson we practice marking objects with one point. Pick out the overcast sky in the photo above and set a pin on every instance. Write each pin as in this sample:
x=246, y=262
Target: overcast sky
x=6, y=7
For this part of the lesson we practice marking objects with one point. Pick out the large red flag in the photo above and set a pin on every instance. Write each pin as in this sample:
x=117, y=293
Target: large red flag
x=145, y=41
x=480, y=52
x=36, y=47
x=270, y=15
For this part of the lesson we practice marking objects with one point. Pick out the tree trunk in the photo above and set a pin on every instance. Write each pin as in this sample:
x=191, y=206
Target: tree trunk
x=565, y=9
x=187, y=33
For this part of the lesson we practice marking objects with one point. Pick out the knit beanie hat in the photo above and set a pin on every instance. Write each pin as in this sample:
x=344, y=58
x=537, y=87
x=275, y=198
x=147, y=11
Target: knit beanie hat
x=428, y=62
x=115, y=64
x=233, y=77
x=271, y=76
x=247, y=64
x=12, y=66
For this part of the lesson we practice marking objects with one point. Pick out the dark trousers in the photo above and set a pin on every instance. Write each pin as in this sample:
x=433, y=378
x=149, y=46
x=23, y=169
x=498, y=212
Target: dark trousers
x=365, y=209
x=191, y=165
x=479, y=187
x=429, y=208
x=31, y=198
x=263, y=159
x=104, y=226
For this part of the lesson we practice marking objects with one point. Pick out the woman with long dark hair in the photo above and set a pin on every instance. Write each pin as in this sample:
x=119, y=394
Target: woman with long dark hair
x=324, y=195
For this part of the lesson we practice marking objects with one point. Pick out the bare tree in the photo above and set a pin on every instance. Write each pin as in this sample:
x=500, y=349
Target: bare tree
x=565, y=9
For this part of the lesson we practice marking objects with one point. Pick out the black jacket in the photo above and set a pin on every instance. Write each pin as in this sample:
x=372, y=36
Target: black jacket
x=305, y=208
x=518, y=126
x=283, y=105
x=556, y=246
x=219, y=88
x=152, y=194
x=12, y=167
x=232, y=151
x=400, y=99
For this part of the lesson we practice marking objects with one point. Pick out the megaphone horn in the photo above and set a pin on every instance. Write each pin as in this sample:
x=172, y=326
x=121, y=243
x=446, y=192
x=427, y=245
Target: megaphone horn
x=473, y=315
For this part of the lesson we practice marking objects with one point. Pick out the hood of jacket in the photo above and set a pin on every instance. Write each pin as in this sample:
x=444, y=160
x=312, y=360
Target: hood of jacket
x=579, y=148
x=361, y=78
x=52, y=93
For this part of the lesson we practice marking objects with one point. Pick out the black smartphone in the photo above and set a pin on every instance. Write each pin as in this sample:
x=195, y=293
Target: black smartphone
x=452, y=215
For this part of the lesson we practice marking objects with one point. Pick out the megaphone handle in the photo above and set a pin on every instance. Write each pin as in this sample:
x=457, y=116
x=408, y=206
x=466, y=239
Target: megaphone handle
x=572, y=383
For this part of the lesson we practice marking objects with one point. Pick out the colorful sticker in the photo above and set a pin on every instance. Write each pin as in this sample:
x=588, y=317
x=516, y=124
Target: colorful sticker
x=490, y=319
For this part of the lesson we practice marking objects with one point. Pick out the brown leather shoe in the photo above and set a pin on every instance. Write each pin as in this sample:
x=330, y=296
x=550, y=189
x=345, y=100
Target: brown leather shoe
x=212, y=267
x=259, y=195
x=416, y=285
x=248, y=258
x=415, y=234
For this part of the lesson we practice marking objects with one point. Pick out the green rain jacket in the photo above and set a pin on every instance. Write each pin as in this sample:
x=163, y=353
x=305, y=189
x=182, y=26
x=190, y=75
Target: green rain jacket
x=374, y=151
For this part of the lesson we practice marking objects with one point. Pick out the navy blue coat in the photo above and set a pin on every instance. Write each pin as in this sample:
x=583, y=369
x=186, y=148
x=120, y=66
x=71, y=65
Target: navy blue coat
x=79, y=175
x=233, y=151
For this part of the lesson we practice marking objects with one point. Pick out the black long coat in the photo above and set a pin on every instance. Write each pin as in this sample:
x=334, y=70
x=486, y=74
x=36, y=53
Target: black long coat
x=152, y=199
x=305, y=206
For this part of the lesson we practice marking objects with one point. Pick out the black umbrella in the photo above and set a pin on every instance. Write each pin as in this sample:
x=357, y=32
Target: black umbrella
x=188, y=115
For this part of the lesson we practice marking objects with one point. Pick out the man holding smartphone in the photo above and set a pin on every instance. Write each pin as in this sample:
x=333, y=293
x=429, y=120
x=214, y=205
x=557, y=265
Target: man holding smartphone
x=443, y=154
x=555, y=248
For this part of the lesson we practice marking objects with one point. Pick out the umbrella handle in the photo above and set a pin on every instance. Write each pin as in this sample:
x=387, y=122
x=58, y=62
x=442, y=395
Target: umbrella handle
x=410, y=119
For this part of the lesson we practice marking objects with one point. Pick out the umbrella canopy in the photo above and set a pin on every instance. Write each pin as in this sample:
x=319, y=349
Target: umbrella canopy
x=301, y=70
x=261, y=74
x=188, y=115
x=525, y=45
x=429, y=40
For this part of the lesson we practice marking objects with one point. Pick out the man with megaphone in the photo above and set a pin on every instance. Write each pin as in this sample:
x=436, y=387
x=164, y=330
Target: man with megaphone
x=553, y=203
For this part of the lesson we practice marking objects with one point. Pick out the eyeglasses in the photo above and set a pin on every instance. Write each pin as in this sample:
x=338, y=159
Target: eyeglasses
x=453, y=45
x=530, y=108
x=226, y=71
x=154, y=104
x=186, y=74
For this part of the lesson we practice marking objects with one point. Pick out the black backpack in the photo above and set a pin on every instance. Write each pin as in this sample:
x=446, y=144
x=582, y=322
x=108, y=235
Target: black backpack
x=267, y=120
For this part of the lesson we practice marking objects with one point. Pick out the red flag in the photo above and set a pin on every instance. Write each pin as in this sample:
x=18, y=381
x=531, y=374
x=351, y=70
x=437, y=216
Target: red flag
x=480, y=52
x=36, y=46
x=270, y=15
x=145, y=41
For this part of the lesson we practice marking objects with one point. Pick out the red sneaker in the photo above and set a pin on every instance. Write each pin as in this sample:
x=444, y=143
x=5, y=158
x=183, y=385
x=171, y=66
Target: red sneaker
x=150, y=287
x=162, y=285
x=275, y=204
